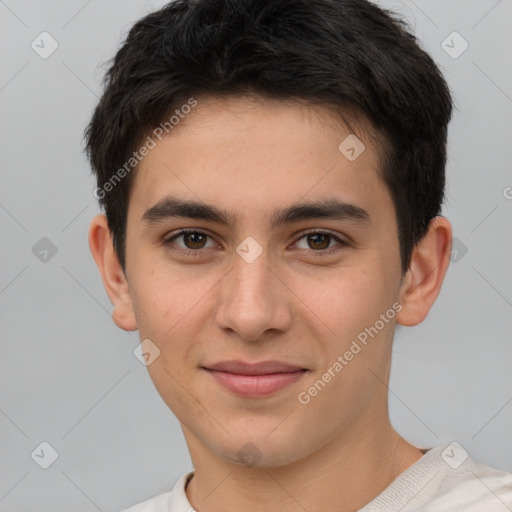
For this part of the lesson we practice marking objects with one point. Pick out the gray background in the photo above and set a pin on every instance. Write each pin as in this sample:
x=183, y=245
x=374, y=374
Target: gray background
x=69, y=376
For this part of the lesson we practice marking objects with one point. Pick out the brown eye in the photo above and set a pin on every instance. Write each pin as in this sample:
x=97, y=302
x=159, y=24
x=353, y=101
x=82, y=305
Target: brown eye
x=194, y=240
x=319, y=241
x=191, y=241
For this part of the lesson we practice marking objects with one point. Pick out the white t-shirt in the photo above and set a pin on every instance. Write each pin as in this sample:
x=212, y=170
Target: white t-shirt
x=445, y=479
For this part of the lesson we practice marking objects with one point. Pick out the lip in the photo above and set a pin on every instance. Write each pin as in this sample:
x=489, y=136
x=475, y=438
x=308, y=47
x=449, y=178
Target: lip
x=255, y=379
x=261, y=368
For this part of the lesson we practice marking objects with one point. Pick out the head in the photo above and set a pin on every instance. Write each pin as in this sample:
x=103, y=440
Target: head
x=302, y=144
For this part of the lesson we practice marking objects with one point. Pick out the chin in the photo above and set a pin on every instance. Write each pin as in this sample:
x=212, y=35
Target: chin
x=260, y=452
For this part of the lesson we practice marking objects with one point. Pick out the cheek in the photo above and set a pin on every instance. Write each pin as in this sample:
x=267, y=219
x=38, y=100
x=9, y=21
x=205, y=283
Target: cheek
x=165, y=316
x=171, y=312
x=158, y=307
x=349, y=301
x=162, y=293
x=351, y=305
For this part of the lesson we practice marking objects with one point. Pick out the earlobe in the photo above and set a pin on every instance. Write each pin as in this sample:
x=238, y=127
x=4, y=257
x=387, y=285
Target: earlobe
x=422, y=283
x=114, y=279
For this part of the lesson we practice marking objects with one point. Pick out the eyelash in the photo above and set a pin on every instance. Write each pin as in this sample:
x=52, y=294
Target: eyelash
x=167, y=242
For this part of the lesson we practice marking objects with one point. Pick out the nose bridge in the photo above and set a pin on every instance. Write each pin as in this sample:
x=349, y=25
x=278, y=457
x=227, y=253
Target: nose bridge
x=251, y=274
x=251, y=301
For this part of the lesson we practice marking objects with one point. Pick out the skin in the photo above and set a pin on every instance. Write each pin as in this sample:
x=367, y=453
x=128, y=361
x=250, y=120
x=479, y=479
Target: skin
x=251, y=157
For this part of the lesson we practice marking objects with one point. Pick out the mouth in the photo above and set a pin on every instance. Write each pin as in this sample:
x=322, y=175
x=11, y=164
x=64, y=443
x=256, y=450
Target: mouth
x=253, y=380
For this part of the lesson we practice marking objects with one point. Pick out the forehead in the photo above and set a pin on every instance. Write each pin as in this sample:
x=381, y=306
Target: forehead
x=242, y=153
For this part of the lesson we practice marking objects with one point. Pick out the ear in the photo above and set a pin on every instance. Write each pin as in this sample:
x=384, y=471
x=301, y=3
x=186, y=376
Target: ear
x=114, y=279
x=422, y=283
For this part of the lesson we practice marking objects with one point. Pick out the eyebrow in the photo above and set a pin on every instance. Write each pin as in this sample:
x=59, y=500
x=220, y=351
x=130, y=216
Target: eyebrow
x=170, y=207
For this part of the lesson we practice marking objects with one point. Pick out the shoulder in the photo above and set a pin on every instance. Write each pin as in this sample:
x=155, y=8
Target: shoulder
x=472, y=487
x=158, y=503
x=445, y=479
x=171, y=501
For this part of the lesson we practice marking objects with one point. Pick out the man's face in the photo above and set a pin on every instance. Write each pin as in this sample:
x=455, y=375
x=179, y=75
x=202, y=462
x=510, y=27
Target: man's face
x=256, y=288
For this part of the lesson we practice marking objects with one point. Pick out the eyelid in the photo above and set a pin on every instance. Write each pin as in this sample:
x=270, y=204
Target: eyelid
x=169, y=238
x=342, y=239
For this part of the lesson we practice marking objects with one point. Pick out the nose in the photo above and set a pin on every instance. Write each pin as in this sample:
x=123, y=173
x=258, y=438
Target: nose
x=254, y=300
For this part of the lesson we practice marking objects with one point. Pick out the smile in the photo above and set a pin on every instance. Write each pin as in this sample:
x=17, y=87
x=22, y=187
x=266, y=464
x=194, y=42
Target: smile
x=255, y=380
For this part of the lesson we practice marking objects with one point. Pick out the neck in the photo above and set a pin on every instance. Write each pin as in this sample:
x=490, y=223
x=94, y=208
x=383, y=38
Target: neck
x=344, y=475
